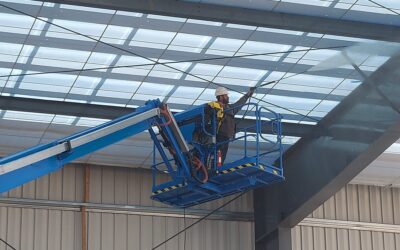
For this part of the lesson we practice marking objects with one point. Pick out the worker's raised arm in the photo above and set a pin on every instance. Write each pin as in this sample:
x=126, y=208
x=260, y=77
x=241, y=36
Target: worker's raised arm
x=243, y=99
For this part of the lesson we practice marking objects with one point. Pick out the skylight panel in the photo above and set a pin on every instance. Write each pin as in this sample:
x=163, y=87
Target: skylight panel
x=239, y=26
x=62, y=54
x=326, y=106
x=90, y=122
x=286, y=112
x=131, y=71
x=5, y=71
x=309, y=2
x=16, y=21
x=117, y=32
x=44, y=87
x=87, y=82
x=320, y=55
x=375, y=61
x=292, y=102
x=24, y=2
x=341, y=92
x=185, y=101
x=16, y=72
x=290, y=60
x=203, y=22
x=166, y=18
x=8, y=58
x=53, y=63
x=317, y=114
x=274, y=57
x=298, y=88
x=26, y=50
x=165, y=74
x=63, y=119
x=21, y=31
x=28, y=117
x=128, y=13
x=206, y=69
x=234, y=81
x=148, y=88
x=189, y=40
x=51, y=79
x=38, y=27
x=226, y=44
x=187, y=92
x=220, y=52
x=98, y=59
x=134, y=60
x=160, y=46
x=153, y=36
x=308, y=62
x=242, y=73
x=87, y=9
x=89, y=29
x=67, y=36
x=146, y=97
x=113, y=40
x=181, y=66
x=114, y=94
x=260, y=47
x=348, y=39
x=274, y=75
x=81, y=91
x=10, y=48
x=197, y=78
x=119, y=85
x=313, y=81
x=280, y=31
x=349, y=84
x=299, y=54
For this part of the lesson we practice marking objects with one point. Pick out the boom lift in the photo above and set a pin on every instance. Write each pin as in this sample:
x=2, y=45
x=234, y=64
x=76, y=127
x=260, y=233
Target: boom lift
x=188, y=173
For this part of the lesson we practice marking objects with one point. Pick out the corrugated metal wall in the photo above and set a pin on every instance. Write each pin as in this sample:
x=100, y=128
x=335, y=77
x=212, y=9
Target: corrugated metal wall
x=356, y=218
x=52, y=228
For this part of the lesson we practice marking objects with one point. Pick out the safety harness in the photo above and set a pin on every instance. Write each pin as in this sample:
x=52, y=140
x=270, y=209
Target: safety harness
x=220, y=112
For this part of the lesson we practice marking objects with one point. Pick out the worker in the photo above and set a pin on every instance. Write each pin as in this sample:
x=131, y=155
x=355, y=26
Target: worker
x=225, y=112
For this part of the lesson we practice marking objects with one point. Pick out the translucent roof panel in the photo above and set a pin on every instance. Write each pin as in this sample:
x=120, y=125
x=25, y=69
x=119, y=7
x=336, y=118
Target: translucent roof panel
x=240, y=57
x=178, y=60
x=381, y=11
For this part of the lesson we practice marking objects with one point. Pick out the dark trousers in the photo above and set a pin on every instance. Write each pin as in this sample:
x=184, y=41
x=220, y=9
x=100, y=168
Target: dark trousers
x=224, y=147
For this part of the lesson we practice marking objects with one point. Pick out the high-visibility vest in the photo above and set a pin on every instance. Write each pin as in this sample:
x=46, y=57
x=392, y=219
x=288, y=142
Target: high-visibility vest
x=220, y=112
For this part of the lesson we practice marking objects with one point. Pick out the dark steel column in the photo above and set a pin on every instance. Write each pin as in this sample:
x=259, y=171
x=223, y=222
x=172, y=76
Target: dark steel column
x=349, y=138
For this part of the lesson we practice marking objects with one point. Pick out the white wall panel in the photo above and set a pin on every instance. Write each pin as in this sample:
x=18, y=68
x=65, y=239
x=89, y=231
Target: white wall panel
x=41, y=229
x=59, y=228
x=27, y=228
x=356, y=218
x=109, y=185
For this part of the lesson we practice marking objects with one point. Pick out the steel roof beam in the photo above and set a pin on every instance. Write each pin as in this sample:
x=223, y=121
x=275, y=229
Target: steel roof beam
x=245, y=16
x=349, y=138
x=111, y=112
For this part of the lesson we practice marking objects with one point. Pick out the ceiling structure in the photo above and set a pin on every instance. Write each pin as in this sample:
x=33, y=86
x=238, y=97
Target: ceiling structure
x=179, y=60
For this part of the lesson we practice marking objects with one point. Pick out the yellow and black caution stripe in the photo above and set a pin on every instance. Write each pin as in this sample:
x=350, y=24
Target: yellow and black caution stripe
x=262, y=167
x=240, y=167
x=167, y=189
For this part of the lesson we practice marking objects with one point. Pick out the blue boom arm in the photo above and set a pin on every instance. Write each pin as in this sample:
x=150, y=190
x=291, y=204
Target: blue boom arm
x=189, y=162
x=28, y=165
